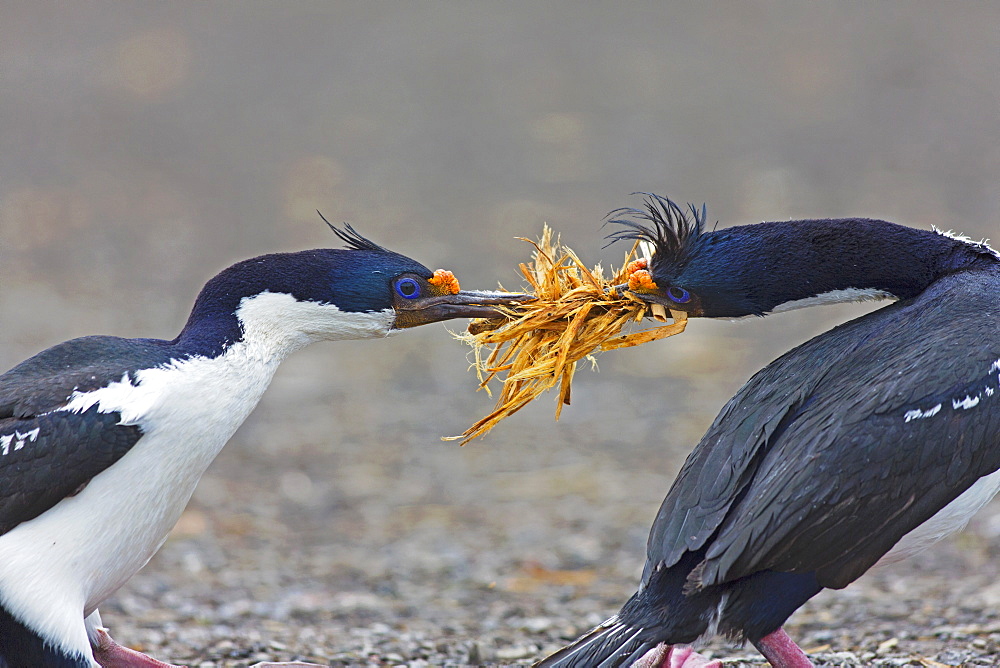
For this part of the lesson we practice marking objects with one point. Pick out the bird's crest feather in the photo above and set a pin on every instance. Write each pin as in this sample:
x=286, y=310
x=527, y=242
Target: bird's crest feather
x=352, y=238
x=670, y=229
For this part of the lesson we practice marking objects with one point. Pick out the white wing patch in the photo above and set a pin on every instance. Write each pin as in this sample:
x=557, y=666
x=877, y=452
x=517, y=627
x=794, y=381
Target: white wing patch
x=18, y=440
x=918, y=414
x=108, y=399
x=964, y=403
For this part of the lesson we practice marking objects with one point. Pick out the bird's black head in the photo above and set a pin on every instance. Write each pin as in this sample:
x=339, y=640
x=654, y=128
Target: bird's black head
x=417, y=295
x=361, y=291
x=760, y=268
x=674, y=272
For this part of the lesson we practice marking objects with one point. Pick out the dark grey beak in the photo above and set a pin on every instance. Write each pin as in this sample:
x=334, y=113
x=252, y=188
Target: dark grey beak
x=464, y=304
x=647, y=297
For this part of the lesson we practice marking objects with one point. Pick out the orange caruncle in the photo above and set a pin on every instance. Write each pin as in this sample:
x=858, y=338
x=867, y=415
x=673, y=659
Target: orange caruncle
x=445, y=281
x=641, y=281
x=636, y=265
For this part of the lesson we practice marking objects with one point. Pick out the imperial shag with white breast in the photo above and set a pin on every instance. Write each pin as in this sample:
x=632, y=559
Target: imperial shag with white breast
x=861, y=446
x=103, y=439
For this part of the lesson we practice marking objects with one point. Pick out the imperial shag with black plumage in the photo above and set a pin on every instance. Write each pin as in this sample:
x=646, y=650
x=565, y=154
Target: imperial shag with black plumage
x=103, y=439
x=860, y=447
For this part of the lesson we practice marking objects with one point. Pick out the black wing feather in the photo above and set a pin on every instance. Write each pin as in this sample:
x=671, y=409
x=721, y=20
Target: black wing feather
x=46, y=458
x=47, y=454
x=612, y=644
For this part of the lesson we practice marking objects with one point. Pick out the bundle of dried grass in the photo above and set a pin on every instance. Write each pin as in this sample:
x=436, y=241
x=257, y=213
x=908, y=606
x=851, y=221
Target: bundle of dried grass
x=537, y=346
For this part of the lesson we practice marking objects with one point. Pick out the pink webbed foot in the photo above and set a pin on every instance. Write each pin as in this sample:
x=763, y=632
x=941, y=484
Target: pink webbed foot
x=110, y=654
x=675, y=656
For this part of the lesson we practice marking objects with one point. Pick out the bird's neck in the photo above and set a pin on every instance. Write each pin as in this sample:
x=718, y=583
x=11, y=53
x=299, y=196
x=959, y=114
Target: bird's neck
x=802, y=263
x=272, y=325
x=222, y=363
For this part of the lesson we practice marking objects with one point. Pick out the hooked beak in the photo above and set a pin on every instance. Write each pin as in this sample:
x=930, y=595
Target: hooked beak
x=464, y=304
x=648, y=297
x=654, y=300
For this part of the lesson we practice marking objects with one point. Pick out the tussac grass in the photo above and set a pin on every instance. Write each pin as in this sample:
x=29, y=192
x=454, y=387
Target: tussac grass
x=538, y=343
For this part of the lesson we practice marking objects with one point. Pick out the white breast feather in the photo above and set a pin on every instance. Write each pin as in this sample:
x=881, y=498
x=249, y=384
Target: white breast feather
x=946, y=521
x=834, y=297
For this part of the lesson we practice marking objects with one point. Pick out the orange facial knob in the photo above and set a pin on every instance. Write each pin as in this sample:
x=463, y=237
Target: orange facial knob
x=636, y=265
x=641, y=281
x=445, y=281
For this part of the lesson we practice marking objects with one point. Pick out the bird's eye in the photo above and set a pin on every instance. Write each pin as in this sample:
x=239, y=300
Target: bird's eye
x=678, y=295
x=407, y=288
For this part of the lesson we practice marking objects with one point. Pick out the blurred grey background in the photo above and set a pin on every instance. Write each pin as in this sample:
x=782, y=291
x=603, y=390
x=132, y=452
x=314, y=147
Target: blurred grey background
x=144, y=146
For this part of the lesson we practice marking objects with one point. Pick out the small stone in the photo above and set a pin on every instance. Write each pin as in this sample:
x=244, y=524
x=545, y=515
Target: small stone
x=475, y=655
x=514, y=653
x=887, y=646
x=536, y=624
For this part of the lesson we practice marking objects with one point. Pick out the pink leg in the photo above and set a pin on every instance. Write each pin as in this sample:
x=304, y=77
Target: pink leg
x=674, y=656
x=110, y=654
x=781, y=651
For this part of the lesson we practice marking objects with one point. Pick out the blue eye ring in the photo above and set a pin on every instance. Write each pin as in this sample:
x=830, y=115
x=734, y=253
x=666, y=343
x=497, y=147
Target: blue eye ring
x=407, y=288
x=678, y=295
